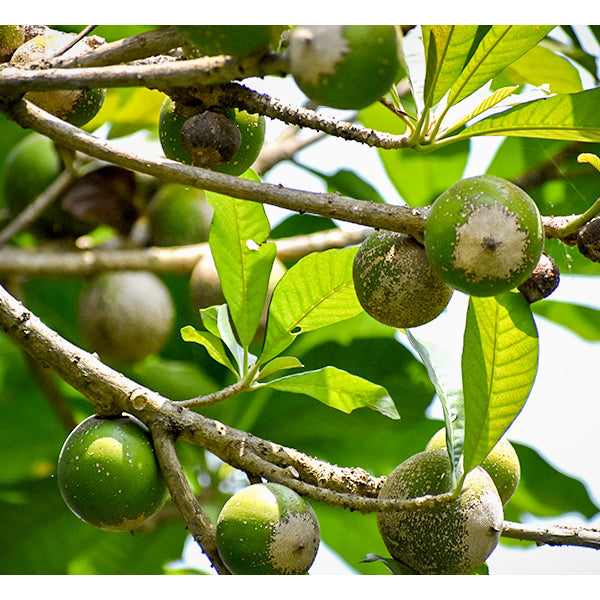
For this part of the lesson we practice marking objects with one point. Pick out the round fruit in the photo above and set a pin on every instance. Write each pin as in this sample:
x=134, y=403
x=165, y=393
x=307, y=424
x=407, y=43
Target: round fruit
x=173, y=116
x=395, y=283
x=179, y=216
x=484, y=235
x=447, y=539
x=267, y=529
x=75, y=106
x=235, y=40
x=126, y=316
x=108, y=474
x=344, y=66
x=501, y=464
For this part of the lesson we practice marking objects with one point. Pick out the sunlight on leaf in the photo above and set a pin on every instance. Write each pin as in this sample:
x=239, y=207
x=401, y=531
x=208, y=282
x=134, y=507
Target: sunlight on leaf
x=214, y=346
x=317, y=291
x=338, y=389
x=499, y=365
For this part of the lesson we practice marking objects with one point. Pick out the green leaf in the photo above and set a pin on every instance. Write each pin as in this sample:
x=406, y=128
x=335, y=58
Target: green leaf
x=395, y=567
x=419, y=178
x=338, y=389
x=572, y=117
x=445, y=375
x=212, y=343
x=501, y=46
x=541, y=66
x=209, y=317
x=582, y=320
x=279, y=364
x=228, y=336
x=317, y=291
x=447, y=48
x=499, y=365
x=243, y=258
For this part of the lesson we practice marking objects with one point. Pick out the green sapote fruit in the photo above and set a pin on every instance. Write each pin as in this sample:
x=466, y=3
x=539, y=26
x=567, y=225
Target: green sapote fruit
x=126, y=316
x=344, y=66
x=11, y=37
x=173, y=118
x=502, y=464
x=235, y=40
x=108, y=474
x=395, y=282
x=178, y=216
x=267, y=529
x=77, y=106
x=484, y=235
x=445, y=539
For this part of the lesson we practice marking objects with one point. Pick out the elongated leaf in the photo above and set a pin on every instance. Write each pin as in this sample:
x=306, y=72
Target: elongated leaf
x=279, y=364
x=338, y=389
x=445, y=375
x=244, y=259
x=447, y=49
x=499, y=365
x=583, y=321
x=541, y=66
x=501, y=46
x=214, y=346
x=573, y=117
x=317, y=291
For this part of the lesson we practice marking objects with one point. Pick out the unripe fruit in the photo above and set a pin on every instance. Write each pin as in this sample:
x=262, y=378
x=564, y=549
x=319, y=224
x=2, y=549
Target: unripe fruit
x=267, y=529
x=235, y=40
x=173, y=117
x=108, y=474
x=126, y=316
x=484, y=235
x=501, y=464
x=11, y=37
x=178, y=216
x=446, y=539
x=76, y=106
x=395, y=282
x=344, y=66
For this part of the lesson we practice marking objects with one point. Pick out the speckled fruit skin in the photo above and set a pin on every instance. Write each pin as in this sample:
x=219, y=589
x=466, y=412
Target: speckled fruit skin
x=125, y=316
x=235, y=40
x=267, y=529
x=108, y=474
x=450, y=539
x=395, y=283
x=252, y=127
x=77, y=106
x=501, y=464
x=484, y=235
x=344, y=66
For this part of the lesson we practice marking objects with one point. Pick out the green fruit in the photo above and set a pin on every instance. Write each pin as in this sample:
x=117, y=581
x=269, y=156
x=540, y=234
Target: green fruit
x=108, y=474
x=267, y=529
x=126, y=316
x=235, y=40
x=77, y=106
x=484, y=235
x=501, y=464
x=446, y=539
x=178, y=216
x=344, y=66
x=174, y=115
x=11, y=37
x=395, y=283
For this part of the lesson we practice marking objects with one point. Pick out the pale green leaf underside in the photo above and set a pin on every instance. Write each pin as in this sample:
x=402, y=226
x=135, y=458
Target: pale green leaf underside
x=502, y=45
x=317, y=291
x=338, y=389
x=445, y=375
x=499, y=365
x=572, y=117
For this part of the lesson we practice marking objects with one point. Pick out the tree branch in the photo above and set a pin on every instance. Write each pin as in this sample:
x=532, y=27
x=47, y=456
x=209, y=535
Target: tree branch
x=555, y=535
